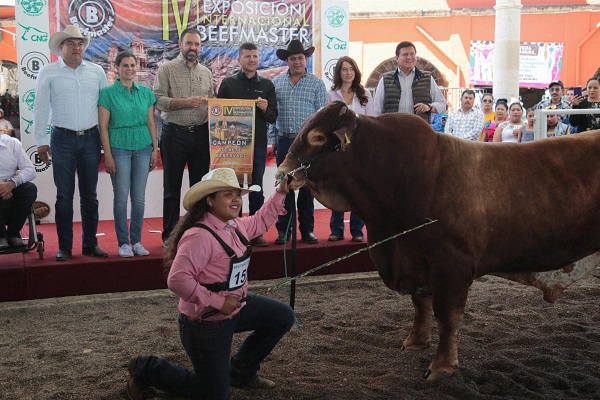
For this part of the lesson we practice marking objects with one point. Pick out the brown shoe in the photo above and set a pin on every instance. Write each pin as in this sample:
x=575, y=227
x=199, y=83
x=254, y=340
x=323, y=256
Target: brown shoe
x=357, y=238
x=133, y=391
x=256, y=383
x=259, y=242
x=333, y=238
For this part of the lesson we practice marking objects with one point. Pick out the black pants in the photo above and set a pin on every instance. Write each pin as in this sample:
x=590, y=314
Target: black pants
x=180, y=146
x=14, y=211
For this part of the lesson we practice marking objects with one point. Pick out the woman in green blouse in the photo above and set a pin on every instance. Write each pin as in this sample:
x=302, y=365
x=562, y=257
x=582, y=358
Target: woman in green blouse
x=128, y=134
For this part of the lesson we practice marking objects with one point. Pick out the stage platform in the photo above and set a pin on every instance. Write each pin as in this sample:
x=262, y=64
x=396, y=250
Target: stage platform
x=24, y=276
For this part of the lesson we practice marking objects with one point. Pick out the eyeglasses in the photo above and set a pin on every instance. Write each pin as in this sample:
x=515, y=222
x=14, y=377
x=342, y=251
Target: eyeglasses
x=488, y=101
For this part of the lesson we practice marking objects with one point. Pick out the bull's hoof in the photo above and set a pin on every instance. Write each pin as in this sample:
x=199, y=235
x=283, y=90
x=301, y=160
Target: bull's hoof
x=414, y=345
x=439, y=373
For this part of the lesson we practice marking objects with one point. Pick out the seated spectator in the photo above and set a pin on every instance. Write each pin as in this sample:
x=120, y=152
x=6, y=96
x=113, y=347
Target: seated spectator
x=501, y=113
x=587, y=122
x=17, y=193
x=5, y=125
x=528, y=133
x=487, y=107
x=465, y=122
x=554, y=126
x=511, y=130
x=556, y=90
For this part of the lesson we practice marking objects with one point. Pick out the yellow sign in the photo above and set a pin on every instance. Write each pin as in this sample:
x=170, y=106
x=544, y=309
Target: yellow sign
x=231, y=130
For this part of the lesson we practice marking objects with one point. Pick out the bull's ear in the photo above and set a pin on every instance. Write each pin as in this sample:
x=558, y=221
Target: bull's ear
x=345, y=136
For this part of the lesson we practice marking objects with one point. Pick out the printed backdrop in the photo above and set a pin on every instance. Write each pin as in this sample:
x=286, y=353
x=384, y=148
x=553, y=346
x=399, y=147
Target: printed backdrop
x=151, y=28
x=539, y=63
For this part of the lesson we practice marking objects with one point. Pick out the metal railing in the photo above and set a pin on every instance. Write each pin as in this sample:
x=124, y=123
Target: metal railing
x=540, y=127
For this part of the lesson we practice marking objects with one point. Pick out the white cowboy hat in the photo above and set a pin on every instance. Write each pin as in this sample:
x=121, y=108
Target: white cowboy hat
x=216, y=180
x=70, y=32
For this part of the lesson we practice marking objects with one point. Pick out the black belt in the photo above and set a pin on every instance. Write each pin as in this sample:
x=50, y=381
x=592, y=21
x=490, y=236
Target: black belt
x=72, y=132
x=216, y=287
x=190, y=128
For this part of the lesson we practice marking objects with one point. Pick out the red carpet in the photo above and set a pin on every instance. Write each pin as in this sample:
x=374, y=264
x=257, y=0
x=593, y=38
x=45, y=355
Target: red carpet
x=25, y=276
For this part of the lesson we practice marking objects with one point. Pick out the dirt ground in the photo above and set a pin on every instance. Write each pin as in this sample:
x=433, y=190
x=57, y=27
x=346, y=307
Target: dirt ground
x=513, y=345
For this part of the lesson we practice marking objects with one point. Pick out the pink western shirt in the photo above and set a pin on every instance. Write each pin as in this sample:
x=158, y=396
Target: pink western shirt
x=201, y=259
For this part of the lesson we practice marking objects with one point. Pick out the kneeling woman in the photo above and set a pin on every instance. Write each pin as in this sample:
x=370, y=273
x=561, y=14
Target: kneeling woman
x=207, y=259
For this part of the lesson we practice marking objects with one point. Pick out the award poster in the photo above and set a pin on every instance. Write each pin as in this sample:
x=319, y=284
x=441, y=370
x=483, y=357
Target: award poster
x=231, y=134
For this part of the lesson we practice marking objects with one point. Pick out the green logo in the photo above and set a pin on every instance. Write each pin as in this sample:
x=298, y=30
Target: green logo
x=336, y=16
x=32, y=7
x=33, y=34
x=29, y=99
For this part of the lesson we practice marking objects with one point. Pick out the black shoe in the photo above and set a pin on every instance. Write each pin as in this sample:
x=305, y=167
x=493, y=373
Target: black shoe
x=63, y=255
x=309, y=237
x=16, y=242
x=281, y=239
x=94, y=252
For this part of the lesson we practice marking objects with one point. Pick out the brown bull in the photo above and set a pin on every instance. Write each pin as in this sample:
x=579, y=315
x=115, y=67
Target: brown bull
x=514, y=210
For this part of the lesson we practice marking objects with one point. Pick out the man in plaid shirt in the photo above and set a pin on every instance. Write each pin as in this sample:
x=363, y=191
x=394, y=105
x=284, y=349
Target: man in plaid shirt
x=299, y=95
x=465, y=122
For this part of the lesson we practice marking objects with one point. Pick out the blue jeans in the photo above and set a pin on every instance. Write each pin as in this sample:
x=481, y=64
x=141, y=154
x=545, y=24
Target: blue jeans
x=306, y=205
x=70, y=154
x=15, y=210
x=208, y=345
x=132, y=167
x=336, y=224
x=257, y=199
x=178, y=147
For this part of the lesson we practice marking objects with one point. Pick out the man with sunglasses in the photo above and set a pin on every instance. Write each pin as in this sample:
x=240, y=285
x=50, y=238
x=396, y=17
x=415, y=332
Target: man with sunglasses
x=556, y=90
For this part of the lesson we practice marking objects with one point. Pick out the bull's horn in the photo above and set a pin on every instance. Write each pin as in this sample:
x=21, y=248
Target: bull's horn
x=343, y=110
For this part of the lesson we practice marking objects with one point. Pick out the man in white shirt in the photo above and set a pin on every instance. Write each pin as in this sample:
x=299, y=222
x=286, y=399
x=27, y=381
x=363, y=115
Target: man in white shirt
x=408, y=89
x=67, y=94
x=465, y=122
x=17, y=193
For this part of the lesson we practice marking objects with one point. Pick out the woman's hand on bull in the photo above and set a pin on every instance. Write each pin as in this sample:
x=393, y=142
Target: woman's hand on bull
x=231, y=304
x=283, y=187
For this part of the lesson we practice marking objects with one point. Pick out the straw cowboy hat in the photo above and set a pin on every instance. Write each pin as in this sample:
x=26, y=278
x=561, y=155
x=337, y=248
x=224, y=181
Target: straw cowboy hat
x=294, y=47
x=70, y=32
x=216, y=180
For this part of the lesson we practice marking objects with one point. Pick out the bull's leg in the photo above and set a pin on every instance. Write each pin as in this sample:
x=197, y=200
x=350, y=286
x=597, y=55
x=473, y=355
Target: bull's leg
x=420, y=334
x=449, y=299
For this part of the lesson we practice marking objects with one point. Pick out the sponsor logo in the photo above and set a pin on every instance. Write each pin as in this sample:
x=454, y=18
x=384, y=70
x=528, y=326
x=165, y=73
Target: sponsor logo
x=32, y=62
x=29, y=99
x=92, y=17
x=335, y=43
x=335, y=16
x=33, y=34
x=37, y=162
x=329, y=70
x=32, y=8
x=215, y=110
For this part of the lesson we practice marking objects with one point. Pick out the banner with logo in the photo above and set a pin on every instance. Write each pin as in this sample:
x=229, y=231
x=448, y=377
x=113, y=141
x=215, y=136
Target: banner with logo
x=231, y=132
x=33, y=30
x=335, y=36
x=539, y=63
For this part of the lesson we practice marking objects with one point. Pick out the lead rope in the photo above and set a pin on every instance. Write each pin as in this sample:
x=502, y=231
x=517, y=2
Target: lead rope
x=292, y=281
